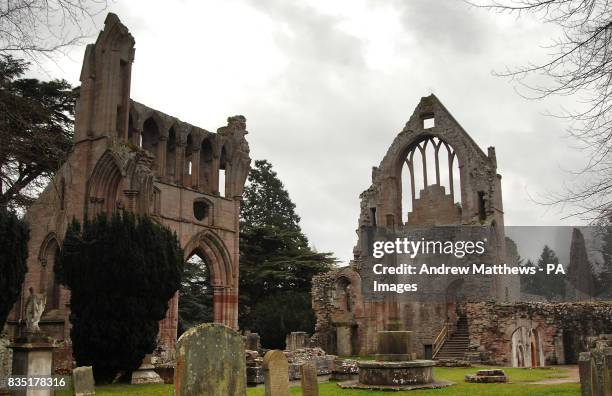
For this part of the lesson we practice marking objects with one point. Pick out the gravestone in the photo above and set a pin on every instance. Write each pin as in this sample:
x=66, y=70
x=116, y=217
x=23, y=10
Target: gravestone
x=83, y=381
x=276, y=373
x=595, y=367
x=210, y=362
x=310, y=383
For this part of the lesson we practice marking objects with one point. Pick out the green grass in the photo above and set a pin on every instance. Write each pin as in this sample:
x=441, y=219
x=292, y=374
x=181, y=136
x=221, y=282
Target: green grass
x=519, y=386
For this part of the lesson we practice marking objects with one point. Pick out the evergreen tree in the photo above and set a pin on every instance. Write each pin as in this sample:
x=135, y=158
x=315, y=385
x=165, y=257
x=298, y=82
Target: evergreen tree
x=276, y=262
x=14, y=236
x=36, y=126
x=551, y=286
x=121, y=271
x=195, y=295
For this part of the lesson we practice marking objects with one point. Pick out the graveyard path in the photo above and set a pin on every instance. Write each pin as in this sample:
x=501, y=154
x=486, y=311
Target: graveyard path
x=573, y=376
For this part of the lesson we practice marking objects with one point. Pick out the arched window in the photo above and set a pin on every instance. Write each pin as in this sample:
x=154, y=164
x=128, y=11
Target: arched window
x=48, y=286
x=430, y=171
x=150, y=136
x=188, y=160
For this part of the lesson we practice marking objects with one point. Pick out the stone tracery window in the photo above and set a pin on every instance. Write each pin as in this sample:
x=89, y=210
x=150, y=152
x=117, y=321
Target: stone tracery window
x=430, y=162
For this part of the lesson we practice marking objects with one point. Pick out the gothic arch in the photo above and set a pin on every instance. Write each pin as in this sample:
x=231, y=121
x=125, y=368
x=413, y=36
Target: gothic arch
x=216, y=255
x=222, y=275
x=103, y=185
x=47, y=255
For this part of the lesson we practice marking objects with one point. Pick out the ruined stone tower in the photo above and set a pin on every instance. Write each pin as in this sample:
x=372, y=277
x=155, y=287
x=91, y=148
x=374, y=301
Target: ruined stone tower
x=433, y=182
x=127, y=156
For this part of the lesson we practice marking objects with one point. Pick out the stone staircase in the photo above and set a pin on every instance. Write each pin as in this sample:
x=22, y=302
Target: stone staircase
x=456, y=346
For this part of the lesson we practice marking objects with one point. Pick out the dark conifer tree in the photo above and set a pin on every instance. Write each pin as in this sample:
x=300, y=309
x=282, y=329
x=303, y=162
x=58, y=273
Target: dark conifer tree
x=121, y=271
x=276, y=262
x=14, y=236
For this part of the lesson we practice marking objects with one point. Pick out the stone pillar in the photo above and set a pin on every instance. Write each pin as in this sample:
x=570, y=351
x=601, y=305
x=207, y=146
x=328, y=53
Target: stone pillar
x=179, y=164
x=195, y=169
x=296, y=340
x=136, y=134
x=160, y=162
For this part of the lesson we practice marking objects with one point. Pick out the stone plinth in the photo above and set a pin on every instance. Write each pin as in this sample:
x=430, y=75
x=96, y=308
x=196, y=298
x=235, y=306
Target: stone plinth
x=396, y=373
x=487, y=376
x=33, y=356
x=395, y=369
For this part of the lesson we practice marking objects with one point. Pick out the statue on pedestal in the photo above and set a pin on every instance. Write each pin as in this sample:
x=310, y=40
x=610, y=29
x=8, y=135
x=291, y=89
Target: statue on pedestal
x=35, y=307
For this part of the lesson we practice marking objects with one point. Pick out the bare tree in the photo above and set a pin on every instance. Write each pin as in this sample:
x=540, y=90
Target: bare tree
x=579, y=64
x=34, y=28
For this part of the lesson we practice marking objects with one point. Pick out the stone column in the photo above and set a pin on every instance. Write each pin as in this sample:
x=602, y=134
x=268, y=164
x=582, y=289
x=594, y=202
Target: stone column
x=195, y=168
x=161, y=156
x=179, y=162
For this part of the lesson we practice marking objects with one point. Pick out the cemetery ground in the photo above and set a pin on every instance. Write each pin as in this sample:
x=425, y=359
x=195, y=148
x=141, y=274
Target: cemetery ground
x=521, y=383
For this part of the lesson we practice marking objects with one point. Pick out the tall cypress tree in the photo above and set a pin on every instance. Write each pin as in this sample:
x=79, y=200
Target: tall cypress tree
x=121, y=272
x=276, y=262
x=14, y=236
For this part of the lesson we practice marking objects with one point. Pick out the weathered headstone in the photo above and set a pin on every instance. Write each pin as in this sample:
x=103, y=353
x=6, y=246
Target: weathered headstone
x=252, y=341
x=210, y=362
x=83, y=381
x=310, y=383
x=595, y=367
x=276, y=373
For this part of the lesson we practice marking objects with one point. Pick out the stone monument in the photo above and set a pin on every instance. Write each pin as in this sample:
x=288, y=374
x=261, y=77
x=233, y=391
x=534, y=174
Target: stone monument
x=395, y=368
x=83, y=381
x=33, y=351
x=276, y=373
x=210, y=362
x=309, y=381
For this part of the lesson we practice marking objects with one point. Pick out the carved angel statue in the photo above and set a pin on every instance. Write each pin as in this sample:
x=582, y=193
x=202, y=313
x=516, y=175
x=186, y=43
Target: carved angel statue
x=35, y=307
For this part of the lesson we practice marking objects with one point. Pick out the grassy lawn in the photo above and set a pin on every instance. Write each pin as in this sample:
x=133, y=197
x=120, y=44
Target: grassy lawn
x=520, y=379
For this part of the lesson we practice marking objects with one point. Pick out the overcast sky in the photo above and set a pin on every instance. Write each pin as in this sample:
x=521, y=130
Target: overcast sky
x=326, y=85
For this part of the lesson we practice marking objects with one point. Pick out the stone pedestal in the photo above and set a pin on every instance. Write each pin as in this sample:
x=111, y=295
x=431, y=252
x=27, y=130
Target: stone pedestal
x=146, y=374
x=395, y=369
x=33, y=356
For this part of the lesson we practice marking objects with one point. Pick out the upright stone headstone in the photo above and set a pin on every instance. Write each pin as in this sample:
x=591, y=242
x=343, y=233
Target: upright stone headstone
x=210, y=362
x=83, y=381
x=252, y=341
x=595, y=367
x=276, y=373
x=310, y=383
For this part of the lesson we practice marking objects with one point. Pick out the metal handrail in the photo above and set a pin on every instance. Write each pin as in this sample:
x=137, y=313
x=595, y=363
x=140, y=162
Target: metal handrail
x=440, y=339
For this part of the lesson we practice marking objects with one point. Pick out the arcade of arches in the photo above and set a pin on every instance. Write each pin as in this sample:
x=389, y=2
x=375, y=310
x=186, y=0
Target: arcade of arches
x=128, y=156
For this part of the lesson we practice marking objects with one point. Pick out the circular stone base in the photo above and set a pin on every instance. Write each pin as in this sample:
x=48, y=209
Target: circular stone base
x=407, y=373
x=407, y=387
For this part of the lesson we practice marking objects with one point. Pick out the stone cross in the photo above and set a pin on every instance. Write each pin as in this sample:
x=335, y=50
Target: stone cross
x=210, y=362
x=276, y=373
x=310, y=383
x=83, y=381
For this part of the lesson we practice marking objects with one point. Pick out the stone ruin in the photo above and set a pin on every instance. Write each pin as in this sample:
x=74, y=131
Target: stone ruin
x=595, y=367
x=459, y=187
x=129, y=157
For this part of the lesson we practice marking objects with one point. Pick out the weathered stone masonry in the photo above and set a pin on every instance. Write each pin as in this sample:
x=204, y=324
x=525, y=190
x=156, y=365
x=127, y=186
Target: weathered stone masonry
x=127, y=156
